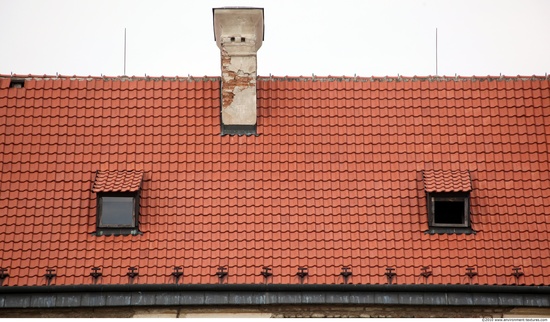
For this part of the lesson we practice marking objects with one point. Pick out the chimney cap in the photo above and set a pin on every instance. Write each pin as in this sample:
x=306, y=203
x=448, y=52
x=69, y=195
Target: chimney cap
x=245, y=22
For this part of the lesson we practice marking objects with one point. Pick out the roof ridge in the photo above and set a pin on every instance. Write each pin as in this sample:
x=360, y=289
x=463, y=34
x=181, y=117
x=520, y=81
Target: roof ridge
x=108, y=78
x=328, y=78
x=400, y=78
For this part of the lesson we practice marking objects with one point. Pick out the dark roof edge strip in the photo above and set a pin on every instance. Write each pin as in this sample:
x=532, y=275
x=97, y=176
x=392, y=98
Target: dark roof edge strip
x=276, y=288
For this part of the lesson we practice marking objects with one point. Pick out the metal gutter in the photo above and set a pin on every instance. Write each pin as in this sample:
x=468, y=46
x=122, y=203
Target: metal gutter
x=439, y=288
x=136, y=295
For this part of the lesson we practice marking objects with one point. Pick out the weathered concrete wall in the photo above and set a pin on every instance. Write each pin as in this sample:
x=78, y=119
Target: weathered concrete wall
x=283, y=311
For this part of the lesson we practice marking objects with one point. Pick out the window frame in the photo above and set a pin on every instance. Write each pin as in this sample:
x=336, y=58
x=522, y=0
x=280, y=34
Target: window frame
x=433, y=197
x=103, y=229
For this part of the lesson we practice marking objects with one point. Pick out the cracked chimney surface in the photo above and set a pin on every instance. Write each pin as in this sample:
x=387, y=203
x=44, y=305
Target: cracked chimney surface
x=239, y=34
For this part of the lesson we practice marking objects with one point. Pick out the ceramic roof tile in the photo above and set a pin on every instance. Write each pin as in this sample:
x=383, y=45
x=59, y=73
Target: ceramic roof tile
x=336, y=177
x=118, y=181
x=447, y=181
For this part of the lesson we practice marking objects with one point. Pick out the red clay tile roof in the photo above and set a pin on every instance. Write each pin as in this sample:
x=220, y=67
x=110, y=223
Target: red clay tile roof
x=333, y=179
x=447, y=181
x=117, y=181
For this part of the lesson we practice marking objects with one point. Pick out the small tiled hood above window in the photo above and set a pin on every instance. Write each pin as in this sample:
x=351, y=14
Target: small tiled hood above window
x=447, y=181
x=239, y=34
x=118, y=181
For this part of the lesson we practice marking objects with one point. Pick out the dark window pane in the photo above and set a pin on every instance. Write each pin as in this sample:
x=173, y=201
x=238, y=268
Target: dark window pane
x=449, y=212
x=117, y=211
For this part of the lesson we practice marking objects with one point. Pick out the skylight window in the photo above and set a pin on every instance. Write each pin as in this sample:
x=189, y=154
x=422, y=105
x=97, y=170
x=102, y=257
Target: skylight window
x=17, y=83
x=449, y=210
x=117, y=211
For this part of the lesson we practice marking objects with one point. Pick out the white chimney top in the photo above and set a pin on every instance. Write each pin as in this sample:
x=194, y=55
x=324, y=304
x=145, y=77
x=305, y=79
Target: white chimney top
x=239, y=34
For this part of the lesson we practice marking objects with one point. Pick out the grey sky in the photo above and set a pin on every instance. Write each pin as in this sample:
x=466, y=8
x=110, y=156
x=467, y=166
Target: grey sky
x=344, y=37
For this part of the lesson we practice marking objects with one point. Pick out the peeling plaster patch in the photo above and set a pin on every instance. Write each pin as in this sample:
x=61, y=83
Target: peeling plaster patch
x=239, y=112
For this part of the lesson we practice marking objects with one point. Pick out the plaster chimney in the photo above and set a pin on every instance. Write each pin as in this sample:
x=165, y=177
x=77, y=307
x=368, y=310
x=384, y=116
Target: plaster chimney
x=238, y=32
